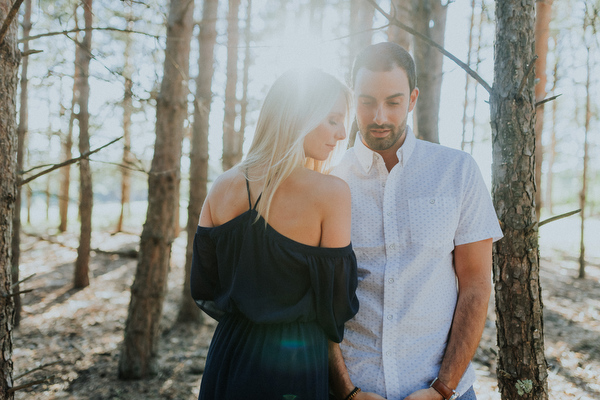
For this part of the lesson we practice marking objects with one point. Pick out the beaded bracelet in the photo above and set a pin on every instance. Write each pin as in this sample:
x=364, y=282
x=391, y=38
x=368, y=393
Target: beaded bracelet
x=353, y=393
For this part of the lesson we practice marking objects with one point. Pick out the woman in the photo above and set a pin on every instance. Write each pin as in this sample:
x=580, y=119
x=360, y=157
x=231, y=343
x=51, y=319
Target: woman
x=272, y=255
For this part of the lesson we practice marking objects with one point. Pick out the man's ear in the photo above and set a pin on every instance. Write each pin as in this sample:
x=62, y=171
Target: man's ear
x=413, y=99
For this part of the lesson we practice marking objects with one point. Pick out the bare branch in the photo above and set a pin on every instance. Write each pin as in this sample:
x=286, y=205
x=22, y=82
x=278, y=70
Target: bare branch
x=539, y=103
x=26, y=385
x=9, y=19
x=36, y=369
x=430, y=42
x=557, y=217
x=527, y=73
x=4, y=295
x=14, y=285
x=76, y=30
x=30, y=52
x=68, y=162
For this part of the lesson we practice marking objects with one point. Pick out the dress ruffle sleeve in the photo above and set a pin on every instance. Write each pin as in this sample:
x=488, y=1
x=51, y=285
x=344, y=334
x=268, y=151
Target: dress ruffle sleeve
x=334, y=280
x=204, y=279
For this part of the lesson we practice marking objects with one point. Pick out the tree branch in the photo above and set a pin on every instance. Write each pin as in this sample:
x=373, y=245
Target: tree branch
x=36, y=369
x=41, y=35
x=524, y=80
x=430, y=42
x=65, y=163
x=557, y=217
x=539, y=103
x=9, y=19
x=14, y=285
x=26, y=385
x=16, y=293
x=30, y=52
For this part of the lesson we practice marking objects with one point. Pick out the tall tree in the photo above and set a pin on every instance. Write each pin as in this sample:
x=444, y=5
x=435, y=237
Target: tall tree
x=9, y=65
x=589, y=34
x=543, y=15
x=188, y=311
x=127, y=113
x=230, y=135
x=245, y=76
x=468, y=81
x=522, y=368
x=429, y=18
x=139, y=349
x=67, y=141
x=82, y=264
x=403, y=9
x=21, y=135
x=552, y=149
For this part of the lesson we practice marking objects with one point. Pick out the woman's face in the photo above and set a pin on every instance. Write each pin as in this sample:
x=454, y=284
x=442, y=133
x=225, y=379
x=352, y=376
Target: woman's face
x=319, y=142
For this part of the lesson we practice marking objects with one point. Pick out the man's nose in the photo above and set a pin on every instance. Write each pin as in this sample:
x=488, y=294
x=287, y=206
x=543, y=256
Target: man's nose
x=380, y=116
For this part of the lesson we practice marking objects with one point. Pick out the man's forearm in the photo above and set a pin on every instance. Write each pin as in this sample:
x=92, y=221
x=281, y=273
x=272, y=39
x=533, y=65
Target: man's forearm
x=339, y=379
x=465, y=333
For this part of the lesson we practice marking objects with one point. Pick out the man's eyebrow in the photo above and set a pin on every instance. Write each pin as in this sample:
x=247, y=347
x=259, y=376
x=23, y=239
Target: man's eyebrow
x=387, y=98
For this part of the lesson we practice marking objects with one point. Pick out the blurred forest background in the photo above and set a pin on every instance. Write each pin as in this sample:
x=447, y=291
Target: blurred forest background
x=143, y=103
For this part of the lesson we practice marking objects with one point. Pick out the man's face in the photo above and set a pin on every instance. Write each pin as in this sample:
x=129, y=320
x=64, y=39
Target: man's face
x=383, y=101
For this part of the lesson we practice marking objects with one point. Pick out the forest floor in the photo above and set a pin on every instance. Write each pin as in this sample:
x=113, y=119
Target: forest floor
x=76, y=334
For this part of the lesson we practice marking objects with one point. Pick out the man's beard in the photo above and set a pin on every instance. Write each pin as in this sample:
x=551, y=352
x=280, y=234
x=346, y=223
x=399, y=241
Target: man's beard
x=379, y=144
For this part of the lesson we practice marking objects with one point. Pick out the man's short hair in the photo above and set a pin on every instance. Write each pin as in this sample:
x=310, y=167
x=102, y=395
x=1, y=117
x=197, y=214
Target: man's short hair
x=385, y=56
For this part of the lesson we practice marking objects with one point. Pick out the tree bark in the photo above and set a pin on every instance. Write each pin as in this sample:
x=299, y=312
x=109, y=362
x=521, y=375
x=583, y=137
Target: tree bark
x=586, y=150
x=404, y=9
x=522, y=368
x=552, y=150
x=188, y=311
x=230, y=136
x=139, y=349
x=127, y=112
x=429, y=66
x=9, y=64
x=245, y=78
x=543, y=11
x=82, y=264
x=21, y=135
x=67, y=145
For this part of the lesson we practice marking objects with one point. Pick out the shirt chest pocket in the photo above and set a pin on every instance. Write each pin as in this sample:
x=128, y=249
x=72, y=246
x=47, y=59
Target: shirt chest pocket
x=433, y=221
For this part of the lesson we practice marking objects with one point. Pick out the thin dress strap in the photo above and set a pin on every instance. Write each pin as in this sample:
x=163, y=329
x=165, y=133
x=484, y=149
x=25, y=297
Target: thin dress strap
x=249, y=198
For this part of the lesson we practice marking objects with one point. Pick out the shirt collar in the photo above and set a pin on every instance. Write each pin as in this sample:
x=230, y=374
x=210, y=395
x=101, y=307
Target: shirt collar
x=366, y=156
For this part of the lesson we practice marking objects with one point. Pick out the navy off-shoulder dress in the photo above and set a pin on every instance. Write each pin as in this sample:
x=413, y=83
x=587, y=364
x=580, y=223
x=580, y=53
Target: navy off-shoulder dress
x=277, y=302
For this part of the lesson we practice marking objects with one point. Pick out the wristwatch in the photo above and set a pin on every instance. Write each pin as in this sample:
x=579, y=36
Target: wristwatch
x=445, y=391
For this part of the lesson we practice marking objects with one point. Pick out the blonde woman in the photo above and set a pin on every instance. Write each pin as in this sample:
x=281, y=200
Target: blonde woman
x=272, y=255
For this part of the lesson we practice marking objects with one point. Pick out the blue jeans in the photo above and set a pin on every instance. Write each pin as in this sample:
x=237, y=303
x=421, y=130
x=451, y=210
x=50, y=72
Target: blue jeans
x=468, y=395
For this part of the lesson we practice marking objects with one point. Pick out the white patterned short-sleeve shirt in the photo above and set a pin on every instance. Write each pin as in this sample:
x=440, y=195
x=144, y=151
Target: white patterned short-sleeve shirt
x=405, y=225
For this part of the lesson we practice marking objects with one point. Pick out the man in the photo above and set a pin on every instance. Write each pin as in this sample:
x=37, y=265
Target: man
x=422, y=229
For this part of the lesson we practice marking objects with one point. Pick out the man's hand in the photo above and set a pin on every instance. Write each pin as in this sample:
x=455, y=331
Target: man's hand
x=425, y=394
x=368, y=396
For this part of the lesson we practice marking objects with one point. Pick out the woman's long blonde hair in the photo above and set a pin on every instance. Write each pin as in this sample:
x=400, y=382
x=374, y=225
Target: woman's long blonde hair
x=297, y=103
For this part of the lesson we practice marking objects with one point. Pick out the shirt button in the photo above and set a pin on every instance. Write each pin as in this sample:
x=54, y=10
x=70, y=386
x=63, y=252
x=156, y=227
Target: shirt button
x=392, y=246
x=389, y=213
x=432, y=201
x=390, y=317
x=391, y=280
x=388, y=353
x=382, y=184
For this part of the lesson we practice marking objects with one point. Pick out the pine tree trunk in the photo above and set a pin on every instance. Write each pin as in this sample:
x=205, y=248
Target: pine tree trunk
x=543, y=11
x=67, y=145
x=230, y=136
x=463, y=141
x=522, y=368
x=82, y=264
x=127, y=112
x=188, y=311
x=245, y=78
x=552, y=150
x=586, y=158
x=404, y=14
x=140, y=345
x=9, y=65
x=429, y=66
x=21, y=135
